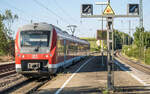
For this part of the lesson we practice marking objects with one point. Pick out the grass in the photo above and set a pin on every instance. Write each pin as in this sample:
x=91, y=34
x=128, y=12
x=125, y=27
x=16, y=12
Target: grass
x=147, y=56
x=137, y=53
x=105, y=92
x=93, y=45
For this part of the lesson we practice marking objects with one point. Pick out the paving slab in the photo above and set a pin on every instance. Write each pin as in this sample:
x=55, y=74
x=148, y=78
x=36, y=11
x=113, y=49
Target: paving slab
x=91, y=79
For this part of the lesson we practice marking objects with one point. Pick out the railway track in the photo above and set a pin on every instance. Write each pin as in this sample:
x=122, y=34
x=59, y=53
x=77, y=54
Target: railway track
x=7, y=69
x=133, y=89
x=136, y=65
x=26, y=86
x=19, y=84
x=11, y=82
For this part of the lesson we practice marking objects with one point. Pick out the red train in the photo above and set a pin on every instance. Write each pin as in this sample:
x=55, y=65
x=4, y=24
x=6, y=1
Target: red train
x=43, y=49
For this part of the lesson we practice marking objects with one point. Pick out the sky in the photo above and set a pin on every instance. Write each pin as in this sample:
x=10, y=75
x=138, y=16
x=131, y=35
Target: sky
x=67, y=12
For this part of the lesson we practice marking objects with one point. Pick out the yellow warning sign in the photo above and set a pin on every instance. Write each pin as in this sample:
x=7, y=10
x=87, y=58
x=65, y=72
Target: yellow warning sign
x=108, y=10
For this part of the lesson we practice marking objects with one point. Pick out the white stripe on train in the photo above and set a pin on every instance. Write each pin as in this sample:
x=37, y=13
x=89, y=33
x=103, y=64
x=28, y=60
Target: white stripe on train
x=64, y=64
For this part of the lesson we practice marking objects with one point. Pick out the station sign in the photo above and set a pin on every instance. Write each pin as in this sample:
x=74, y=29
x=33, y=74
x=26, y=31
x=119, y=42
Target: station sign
x=133, y=9
x=108, y=10
x=101, y=34
x=87, y=9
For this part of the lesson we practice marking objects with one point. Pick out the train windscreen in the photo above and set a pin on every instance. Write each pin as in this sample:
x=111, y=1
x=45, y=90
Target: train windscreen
x=35, y=38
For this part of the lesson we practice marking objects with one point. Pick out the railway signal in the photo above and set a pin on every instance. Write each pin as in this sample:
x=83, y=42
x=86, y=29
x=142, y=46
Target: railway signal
x=133, y=9
x=87, y=9
x=110, y=15
x=108, y=10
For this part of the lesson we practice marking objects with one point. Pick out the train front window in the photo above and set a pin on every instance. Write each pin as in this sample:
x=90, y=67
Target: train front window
x=35, y=38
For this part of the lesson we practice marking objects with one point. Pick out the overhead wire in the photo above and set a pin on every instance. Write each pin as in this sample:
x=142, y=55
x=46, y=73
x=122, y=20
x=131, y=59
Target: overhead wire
x=21, y=11
x=64, y=11
x=50, y=11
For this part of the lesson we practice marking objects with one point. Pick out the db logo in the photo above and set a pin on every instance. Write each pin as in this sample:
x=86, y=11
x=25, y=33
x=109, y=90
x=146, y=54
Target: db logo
x=34, y=56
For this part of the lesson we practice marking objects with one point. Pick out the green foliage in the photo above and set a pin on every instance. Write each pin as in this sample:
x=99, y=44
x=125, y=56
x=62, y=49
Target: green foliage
x=105, y=92
x=142, y=38
x=146, y=39
x=120, y=39
x=131, y=51
x=7, y=43
x=134, y=51
x=8, y=20
x=93, y=45
x=141, y=41
x=88, y=39
x=147, y=56
x=138, y=36
x=3, y=39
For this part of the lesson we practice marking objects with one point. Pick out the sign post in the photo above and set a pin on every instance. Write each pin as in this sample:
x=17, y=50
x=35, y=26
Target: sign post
x=109, y=14
x=110, y=47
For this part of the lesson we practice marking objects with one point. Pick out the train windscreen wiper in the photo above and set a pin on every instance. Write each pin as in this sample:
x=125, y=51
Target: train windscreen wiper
x=38, y=46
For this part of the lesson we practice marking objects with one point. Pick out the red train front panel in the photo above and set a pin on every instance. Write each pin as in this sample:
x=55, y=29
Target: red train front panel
x=34, y=54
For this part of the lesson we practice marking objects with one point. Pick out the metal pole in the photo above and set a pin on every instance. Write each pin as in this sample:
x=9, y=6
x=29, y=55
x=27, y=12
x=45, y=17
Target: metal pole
x=141, y=13
x=129, y=32
x=109, y=61
x=108, y=1
x=102, y=40
x=112, y=80
x=123, y=38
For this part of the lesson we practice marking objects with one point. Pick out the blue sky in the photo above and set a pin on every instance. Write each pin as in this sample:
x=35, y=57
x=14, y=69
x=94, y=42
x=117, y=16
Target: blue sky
x=64, y=12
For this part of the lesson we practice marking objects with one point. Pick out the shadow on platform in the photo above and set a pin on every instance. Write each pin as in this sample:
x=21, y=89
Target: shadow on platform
x=96, y=65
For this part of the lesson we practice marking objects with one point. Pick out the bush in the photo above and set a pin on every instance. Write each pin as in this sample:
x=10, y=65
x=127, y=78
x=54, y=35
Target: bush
x=147, y=56
x=137, y=52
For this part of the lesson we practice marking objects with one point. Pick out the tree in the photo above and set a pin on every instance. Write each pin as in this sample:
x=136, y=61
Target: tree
x=121, y=39
x=138, y=36
x=6, y=34
x=4, y=42
x=8, y=19
x=146, y=39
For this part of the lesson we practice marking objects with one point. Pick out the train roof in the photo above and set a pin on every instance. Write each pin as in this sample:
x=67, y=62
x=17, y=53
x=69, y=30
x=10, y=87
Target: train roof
x=65, y=35
x=37, y=26
x=44, y=26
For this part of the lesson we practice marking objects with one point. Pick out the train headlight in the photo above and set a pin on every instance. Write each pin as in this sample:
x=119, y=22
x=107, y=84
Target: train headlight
x=46, y=56
x=22, y=56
